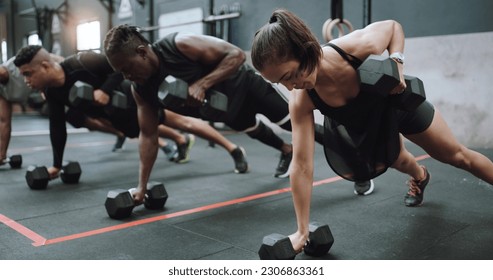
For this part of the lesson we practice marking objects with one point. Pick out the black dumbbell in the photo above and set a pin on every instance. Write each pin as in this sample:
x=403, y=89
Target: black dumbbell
x=37, y=177
x=278, y=247
x=82, y=95
x=413, y=95
x=119, y=203
x=174, y=94
x=15, y=161
x=379, y=75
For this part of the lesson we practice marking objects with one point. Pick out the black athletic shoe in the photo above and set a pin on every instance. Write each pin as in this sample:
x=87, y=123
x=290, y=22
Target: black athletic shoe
x=171, y=151
x=239, y=156
x=363, y=188
x=414, y=196
x=119, y=143
x=284, y=165
x=184, y=149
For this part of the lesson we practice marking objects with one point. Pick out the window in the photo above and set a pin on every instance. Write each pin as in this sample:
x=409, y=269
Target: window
x=33, y=39
x=89, y=36
x=4, y=51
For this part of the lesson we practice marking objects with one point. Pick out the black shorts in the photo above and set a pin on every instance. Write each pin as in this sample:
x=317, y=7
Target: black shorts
x=264, y=99
x=416, y=121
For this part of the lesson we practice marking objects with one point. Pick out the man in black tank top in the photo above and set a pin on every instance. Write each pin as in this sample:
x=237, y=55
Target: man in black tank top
x=204, y=62
x=286, y=51
x=58, y=78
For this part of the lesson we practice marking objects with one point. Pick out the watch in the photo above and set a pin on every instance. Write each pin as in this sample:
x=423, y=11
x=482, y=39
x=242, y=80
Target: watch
x=398, y=57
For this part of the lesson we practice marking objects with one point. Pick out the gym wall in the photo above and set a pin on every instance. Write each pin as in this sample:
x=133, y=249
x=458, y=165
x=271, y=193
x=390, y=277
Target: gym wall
x=448, y=43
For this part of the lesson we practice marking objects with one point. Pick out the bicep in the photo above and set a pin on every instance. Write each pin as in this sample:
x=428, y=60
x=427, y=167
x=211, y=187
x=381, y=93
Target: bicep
x=205, y=49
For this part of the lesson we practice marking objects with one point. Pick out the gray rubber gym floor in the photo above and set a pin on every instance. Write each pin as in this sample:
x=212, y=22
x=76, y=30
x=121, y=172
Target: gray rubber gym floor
x=215, y=214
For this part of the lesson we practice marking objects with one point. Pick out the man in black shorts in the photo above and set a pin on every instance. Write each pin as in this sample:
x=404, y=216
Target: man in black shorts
x=204, y=62
x=56, y=79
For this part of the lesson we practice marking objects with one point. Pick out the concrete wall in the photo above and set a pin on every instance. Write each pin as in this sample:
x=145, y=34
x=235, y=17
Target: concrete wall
x=457, y=71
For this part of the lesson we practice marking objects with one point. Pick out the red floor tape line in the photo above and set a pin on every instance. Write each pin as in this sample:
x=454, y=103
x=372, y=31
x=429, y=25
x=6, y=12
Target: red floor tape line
x=38, y=240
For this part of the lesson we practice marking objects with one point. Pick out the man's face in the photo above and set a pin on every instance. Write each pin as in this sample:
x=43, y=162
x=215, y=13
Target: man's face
x=35, y=75
x=136, y=67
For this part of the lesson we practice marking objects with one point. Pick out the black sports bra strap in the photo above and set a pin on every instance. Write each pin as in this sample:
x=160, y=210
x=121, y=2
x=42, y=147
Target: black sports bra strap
x=353, y=60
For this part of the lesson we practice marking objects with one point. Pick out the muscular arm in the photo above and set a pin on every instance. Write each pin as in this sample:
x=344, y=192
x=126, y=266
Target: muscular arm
x=375, y=39
x=301, y=177
x=148, y=142
x=208, y=50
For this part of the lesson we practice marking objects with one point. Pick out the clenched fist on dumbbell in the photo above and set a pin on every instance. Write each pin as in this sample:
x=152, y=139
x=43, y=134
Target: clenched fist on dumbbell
x=37, y=177
x=120, y=203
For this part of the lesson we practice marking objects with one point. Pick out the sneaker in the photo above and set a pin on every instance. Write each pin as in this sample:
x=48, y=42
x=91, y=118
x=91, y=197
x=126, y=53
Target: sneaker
x=171, y=151
x=363, y=187
x=184, y=149
x=414, y=196
x=119, y=143
x=239, y=156
x=284, y=165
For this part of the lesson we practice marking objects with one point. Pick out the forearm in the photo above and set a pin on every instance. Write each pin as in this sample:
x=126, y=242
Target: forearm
x=58, y=134
x=301, y=187
x=227, y=67
x=58, y=137
x=5, y=126
x=148, y=148
x=397, y=41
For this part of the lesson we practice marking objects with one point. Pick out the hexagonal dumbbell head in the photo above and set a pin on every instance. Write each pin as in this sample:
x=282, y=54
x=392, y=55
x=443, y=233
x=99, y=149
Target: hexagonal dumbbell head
x=119, y=204
x=71, y=172
x=81, y=94
x=412, y=97
x=15, y=161
x=276, y=246
x=173, y=92
x=156, y=196
x=215, y=105
x=320, y=240
x=37, y=177
x=378, y=75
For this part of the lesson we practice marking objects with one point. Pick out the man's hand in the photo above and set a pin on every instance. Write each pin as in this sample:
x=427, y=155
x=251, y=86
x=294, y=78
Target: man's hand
x=54, y=172
x=138, y=194
x=196, y=95
x=101, y=98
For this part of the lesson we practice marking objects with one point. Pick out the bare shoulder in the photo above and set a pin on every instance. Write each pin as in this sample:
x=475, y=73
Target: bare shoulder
x=300, y=102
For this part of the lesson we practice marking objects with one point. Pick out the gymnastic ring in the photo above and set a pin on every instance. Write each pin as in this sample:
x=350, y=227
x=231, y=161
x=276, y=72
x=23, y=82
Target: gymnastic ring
x=330, y=24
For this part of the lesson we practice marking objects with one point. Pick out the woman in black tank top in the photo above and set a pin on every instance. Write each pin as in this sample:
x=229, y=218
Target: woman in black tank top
x=285, y=51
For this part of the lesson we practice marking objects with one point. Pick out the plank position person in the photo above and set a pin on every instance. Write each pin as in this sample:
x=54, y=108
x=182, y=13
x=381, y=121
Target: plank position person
x=56, y=79
x=204, y=62
x=325, y=78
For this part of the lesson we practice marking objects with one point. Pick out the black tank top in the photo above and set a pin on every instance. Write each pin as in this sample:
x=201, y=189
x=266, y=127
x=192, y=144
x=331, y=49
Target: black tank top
x=174, y=63
x=361, y=139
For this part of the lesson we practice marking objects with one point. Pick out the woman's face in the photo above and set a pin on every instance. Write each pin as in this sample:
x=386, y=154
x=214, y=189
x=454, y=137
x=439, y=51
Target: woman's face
x=287, y=73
